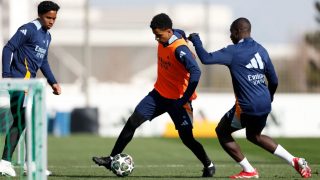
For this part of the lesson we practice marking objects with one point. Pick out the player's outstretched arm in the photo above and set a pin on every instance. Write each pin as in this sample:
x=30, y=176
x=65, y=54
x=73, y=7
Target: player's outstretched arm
x=223, y=56
x=203, y=55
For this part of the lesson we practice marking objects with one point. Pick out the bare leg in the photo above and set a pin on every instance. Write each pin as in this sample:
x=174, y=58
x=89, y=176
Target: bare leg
x=254, y=127
x=263, y=141
x=224, y=131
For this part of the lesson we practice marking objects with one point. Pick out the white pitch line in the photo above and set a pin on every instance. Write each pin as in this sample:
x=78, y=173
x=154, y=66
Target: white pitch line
x=164, y=166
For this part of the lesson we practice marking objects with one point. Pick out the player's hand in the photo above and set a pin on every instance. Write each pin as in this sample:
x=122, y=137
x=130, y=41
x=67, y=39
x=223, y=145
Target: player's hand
x=182, y=33
x=193, y=36
x=56, y=89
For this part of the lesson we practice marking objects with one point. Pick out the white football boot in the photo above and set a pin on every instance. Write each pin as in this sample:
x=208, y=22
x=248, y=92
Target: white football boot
x=6, y=169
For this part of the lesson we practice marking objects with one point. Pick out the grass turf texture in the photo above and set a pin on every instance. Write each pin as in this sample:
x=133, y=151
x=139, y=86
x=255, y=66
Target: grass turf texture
x=163, y=158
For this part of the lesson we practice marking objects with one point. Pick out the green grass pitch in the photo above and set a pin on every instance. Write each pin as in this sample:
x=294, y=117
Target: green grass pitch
x=163, y=158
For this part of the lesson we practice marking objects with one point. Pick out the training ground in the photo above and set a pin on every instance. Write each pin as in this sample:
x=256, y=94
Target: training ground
x=167, y=158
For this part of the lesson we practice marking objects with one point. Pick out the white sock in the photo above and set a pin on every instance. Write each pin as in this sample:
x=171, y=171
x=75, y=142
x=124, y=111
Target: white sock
x=5, y=162
x=246, y=166
x=284, y=154
x=210, y=165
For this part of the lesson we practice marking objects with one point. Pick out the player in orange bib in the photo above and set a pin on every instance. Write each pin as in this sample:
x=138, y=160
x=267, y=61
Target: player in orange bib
x=178, y=77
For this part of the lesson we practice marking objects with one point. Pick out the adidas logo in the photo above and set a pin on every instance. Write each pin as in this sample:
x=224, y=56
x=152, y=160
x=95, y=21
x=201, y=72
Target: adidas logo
x=255, y=62
x=184, y=123
x=182, y=54
x=23, y=31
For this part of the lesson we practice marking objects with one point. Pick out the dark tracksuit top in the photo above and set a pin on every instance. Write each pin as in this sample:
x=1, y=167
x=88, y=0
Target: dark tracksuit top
x=26, y=52
x=249, y=64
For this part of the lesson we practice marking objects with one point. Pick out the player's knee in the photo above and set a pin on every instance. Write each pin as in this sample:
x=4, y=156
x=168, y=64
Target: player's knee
x=135, y=120
x=252, y=138
x=223, y=134
x=219, y=131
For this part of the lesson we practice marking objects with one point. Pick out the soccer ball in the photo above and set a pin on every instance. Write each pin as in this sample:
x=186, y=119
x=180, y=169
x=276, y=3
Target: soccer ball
x=122, y=165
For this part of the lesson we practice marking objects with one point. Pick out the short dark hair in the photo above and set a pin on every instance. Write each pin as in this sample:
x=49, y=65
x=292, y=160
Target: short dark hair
x=161, y=21
x=241, y=24
x=46, y=6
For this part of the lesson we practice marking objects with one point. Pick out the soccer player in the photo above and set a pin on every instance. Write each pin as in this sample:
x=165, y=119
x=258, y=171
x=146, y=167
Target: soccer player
x=174, y=89
x=23, y=55
x=249, y=64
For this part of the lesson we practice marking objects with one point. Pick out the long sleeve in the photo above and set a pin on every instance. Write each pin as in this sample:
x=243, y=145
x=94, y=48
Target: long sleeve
x=184, y=55
x=6, y=61
x=223, y=56
x=18, y=39
x=46, y=71
x=271, y=77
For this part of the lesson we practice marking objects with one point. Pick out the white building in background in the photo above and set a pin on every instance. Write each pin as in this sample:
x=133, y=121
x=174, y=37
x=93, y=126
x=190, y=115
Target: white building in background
x=119, y=25
x=19, y=14
x=126, y=27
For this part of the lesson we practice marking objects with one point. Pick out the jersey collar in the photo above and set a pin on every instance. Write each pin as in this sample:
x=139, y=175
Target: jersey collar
x=245, y=39
x=37, y=24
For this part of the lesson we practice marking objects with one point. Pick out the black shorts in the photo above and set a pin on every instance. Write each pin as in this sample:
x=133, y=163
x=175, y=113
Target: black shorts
x=154, y=105
x=252, y=122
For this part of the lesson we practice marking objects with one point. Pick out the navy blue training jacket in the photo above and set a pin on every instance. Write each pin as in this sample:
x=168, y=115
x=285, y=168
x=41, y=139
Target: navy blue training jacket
x=249, y=64
x=27, y=52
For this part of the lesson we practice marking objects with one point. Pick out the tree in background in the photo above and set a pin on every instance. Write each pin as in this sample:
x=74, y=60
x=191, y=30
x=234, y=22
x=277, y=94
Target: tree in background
x=313, y=38
x=313, y=68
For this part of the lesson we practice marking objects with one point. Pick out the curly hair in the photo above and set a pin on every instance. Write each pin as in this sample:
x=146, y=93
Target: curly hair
x=161, y=21
x=46, y=6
